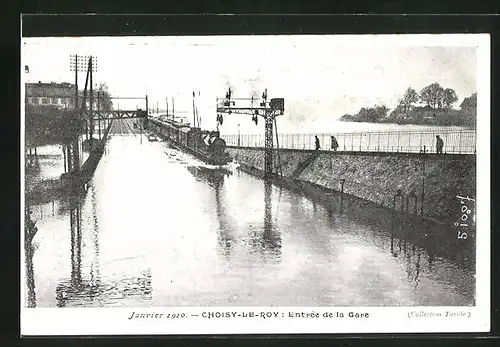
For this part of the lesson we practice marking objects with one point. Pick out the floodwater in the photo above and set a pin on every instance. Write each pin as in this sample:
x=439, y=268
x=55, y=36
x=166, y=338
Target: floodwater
x=156, y=227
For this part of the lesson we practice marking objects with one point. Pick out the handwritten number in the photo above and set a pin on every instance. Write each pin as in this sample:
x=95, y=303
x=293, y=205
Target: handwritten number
x=462, y=235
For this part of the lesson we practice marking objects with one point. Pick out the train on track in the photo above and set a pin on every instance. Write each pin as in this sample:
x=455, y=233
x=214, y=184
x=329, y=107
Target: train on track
x=204, y=144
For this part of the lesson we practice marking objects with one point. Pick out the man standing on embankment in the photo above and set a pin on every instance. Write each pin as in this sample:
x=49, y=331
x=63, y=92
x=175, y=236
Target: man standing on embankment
x=439, y=145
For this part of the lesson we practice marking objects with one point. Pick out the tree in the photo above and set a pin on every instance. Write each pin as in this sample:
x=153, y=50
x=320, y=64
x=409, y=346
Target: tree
x=432, y=95
x=449, y=97
x=409, y=98
x=106, y=103
x=470, y=103
x=371, y=114
x=469, y=109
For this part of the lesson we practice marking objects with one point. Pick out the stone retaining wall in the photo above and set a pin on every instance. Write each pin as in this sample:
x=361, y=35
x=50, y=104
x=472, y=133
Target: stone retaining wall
x=377, y=177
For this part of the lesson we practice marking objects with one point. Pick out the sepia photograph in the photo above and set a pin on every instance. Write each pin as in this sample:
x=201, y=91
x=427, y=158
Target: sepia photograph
x=290, y=175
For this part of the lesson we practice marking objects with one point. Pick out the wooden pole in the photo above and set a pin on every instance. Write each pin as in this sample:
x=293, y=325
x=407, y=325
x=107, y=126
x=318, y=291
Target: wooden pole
x=64, y=155
x=99, y=112
x=423, y=186
x=91, y=106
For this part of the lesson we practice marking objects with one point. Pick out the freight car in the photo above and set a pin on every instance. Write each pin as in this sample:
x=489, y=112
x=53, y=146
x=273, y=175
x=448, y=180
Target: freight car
x=204, y=144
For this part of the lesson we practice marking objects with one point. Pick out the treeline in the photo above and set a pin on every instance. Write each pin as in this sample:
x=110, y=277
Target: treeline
x=49, y=125
x=438, y=109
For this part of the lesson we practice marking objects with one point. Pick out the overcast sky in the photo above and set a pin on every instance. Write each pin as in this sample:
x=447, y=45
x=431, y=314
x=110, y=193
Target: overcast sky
x=320, y=77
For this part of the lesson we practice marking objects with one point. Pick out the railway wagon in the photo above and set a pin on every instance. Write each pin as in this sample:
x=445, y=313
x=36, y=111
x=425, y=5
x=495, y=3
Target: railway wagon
x=204, y=144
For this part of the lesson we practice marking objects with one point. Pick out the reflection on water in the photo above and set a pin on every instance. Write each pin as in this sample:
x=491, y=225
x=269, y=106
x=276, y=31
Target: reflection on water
x=265, y=241
x=92, y=290
x=30, y=276
x=271, y=238
x=215, y=179
x=401, y=247
x=158, y=228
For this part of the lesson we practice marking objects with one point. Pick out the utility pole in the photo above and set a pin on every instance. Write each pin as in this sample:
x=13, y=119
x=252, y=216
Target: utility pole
x=173, y=109
x=71, y=148
x=77, y=64
x=140, y=130
x=423, y=186
x=76, y=82
x=194, y=113
x=268, y=110
x=91, y=106
x=99, y=112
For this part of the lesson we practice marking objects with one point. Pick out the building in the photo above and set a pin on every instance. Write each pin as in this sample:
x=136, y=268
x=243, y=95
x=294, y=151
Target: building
x=58, y=95
x=470, y=104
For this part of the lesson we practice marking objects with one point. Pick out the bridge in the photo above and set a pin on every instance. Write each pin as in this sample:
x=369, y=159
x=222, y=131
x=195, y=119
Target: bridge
x=94, y=115
x=84, y=129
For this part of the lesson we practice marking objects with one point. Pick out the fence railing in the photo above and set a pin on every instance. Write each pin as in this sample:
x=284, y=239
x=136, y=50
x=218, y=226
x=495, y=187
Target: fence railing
x=455, y=141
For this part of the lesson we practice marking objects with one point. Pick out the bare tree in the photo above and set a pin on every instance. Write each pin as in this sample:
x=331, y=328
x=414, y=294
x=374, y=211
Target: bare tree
x=105, y=97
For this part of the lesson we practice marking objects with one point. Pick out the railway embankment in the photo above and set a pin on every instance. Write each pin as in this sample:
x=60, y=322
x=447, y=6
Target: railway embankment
x=419, y=185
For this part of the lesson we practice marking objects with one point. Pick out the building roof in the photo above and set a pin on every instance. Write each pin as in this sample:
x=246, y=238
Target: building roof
x=52, y=90
x=57, y=90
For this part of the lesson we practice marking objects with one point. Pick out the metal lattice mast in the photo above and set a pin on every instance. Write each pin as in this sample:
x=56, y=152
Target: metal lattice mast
x=268, y=110
x=268, y=153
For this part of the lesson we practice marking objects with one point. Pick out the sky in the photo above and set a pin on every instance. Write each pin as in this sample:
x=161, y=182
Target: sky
x=320, y=77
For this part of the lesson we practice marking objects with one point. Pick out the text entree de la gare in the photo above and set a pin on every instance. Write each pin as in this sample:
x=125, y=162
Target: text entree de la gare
x=251, y=314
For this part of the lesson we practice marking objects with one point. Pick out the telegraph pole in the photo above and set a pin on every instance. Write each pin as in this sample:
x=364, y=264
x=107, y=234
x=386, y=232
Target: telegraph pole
x=76, y=82
x=91, y=106
x=194, y=112
x=238, y=134
x=269, y=110
x=99, y=112
x=77, y=63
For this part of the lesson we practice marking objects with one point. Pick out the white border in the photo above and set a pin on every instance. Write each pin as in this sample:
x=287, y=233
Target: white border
x=23, y=156
x=483, y=218
x=112, y=321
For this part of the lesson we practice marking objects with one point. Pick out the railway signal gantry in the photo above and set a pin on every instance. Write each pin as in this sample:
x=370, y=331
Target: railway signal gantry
x=268, y=110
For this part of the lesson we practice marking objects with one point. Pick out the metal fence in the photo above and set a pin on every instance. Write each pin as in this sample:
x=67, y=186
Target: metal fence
x=455, y=141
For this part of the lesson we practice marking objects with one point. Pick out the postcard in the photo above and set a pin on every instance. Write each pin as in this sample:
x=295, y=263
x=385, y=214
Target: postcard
x=195, y=185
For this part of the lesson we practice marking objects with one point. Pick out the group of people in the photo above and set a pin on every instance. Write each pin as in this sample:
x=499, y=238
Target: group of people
x=335, y=144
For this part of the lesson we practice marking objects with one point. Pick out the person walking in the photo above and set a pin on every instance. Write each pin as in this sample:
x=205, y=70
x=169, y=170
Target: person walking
x=439, y=145
x=317, y=142
x=334, y=143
